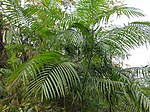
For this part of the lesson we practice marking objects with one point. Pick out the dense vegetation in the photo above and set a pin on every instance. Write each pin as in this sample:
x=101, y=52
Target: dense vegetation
x=61, y=56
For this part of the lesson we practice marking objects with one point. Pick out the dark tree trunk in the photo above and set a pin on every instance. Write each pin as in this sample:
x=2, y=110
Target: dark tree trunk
x=1, y=33
x=2, y=49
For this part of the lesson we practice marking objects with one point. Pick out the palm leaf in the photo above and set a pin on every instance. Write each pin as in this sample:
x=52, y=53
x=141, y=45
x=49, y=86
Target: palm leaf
x=128, y=37
x=128, y=11
x=137, y=72
x=54, y=81
x=87, y=9
x=121, y=91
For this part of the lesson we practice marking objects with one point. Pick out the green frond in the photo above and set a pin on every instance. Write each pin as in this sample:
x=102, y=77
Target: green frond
x=87, y=9
x=105, y=86
x=5, y=71
x=121, y=91
x=47, y=74
x=128, y=37
x=127, y=108
x=144, y=24
x=141, y=100
x=129, y=11
x=32, y=66
x=139, y=72
x=53, y=81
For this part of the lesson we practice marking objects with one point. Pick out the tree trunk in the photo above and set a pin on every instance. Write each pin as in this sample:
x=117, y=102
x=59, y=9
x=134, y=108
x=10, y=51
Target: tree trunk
x=2, y=49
